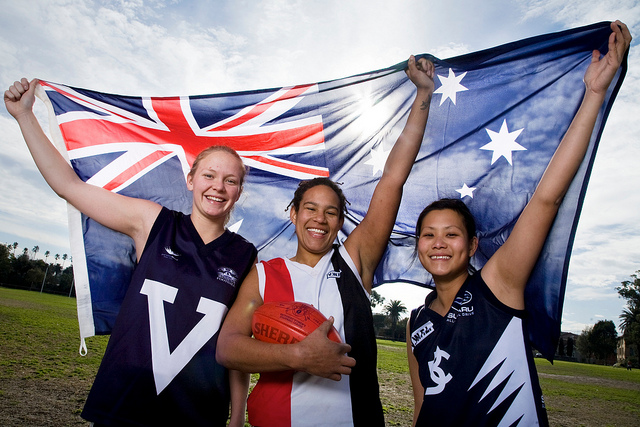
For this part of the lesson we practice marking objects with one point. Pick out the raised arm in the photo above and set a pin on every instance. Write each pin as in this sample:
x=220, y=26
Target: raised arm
x=130, y=216
x=508, y=271
x=367, y=242
x=316, y=354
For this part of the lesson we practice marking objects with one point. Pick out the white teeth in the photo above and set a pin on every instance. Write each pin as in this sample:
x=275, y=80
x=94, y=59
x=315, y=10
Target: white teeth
x=316, y=230
x=440, y=257
x=215, y=199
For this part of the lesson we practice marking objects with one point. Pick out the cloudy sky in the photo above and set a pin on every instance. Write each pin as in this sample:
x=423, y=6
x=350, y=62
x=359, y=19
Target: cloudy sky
x=161, y=48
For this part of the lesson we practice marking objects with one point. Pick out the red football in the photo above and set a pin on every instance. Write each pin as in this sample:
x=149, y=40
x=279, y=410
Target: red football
x=287, y=322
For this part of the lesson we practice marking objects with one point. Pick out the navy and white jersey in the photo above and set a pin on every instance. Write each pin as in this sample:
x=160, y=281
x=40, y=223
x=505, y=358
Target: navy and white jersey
x=475, y=363
x=296, y=399
x=159, y=367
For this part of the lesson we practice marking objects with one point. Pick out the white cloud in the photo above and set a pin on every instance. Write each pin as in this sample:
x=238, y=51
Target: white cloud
x=573, y=14
x=450, y=50
x=575, y=327
x=175, y=48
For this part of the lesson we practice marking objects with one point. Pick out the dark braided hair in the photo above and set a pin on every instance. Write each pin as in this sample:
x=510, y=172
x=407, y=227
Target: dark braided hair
x=305, y=185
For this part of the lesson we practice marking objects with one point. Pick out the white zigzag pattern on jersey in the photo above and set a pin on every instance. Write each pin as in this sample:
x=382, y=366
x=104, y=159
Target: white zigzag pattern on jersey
x=515, y=372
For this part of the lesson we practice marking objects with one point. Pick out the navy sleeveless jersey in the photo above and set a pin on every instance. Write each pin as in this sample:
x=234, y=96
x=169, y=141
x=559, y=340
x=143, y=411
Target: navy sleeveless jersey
x=475, y=364
x=159, y=367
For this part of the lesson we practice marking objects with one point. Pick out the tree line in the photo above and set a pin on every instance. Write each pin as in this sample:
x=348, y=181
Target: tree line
x=22, y=270
x=599, y=343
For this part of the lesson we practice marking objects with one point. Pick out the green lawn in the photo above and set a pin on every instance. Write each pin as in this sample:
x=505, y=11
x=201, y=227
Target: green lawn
x=44, y=380
x=39, y=337
x=560, y=367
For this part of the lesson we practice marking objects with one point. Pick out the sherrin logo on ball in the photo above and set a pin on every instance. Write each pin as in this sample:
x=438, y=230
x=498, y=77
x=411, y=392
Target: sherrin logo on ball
x=288, y=322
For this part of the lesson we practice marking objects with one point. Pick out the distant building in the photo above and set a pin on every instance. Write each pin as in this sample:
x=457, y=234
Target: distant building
x=625, y=352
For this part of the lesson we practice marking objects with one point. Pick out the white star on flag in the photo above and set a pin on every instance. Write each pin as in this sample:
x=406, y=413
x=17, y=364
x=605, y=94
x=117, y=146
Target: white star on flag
x=503, y=143
x=450, y=86
x=378, y=159
x=466, y=191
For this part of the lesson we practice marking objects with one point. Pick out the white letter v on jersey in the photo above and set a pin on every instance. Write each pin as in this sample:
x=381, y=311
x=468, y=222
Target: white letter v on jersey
x=167, y=365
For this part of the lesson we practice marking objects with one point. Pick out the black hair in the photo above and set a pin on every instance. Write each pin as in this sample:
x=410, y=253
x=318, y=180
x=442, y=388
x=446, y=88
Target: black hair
x=455, y=205
x=305, y=185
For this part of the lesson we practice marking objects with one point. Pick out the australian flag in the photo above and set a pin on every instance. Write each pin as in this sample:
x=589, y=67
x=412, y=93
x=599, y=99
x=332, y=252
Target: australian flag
x=496, y=119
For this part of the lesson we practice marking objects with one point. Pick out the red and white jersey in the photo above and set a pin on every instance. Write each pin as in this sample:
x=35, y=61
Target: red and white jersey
x=296, y=398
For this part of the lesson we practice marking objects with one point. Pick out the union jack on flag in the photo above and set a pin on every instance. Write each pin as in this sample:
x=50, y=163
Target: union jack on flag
x=496, y=119
x=152, y=130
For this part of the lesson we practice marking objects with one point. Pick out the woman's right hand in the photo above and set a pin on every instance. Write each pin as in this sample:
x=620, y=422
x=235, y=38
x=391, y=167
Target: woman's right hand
x=20, y=96
x=421, y=72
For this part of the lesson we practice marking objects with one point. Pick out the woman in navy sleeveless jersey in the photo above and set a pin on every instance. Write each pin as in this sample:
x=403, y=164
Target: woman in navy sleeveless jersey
x=322, y=385
x=159, y=367
x=469, y=358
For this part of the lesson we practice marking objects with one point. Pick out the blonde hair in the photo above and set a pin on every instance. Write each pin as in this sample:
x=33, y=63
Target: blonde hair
x=215, y=148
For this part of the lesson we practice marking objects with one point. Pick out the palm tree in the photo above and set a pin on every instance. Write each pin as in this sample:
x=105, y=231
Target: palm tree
x=394, y=309
x=46, y=255
x=15, y=245
x=628, y=318
x=630, y=326
x=64, y=258
x=25, y=251
x=57, y=257
x=35, y=250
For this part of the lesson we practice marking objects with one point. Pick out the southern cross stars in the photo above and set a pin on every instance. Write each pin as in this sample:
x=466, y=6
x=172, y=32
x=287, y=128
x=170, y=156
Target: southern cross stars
x=450, y=86
x=466, y=191
x=378, y=159
x=503, y=143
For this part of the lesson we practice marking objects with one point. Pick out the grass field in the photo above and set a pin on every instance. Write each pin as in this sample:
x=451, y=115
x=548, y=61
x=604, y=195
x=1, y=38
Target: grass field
x=44, y=381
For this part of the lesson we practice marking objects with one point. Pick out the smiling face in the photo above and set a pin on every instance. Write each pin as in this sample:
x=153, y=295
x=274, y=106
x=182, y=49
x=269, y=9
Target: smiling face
x=444, y=246
x=216, y=184
x=317, y=222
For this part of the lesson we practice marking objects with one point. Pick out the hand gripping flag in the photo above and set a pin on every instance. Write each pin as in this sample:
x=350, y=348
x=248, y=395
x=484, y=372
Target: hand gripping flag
x=496, y=119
